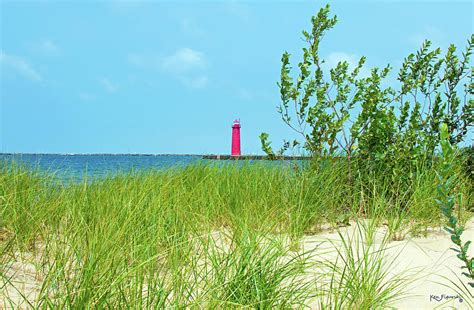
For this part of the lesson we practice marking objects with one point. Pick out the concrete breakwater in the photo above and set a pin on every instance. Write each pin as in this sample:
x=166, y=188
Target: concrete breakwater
x=254, y=157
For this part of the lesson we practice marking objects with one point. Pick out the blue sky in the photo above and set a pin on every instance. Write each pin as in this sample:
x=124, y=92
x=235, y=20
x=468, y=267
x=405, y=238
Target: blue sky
x=170, y=77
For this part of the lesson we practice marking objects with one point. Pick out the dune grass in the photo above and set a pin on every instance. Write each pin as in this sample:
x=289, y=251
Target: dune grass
x=202, y=235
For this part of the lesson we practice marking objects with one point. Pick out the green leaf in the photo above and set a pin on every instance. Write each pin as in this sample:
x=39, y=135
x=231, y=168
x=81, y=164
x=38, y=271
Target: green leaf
x=455, y=239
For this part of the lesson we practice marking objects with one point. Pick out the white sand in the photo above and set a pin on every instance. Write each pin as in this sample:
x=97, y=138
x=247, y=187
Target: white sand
x=428, y=259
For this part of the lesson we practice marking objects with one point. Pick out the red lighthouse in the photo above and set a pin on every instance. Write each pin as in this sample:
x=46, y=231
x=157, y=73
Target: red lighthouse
x=236, y=138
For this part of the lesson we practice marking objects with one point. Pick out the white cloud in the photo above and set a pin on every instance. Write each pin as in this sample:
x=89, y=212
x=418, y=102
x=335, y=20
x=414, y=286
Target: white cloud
x=181, y=61
x=108, y=85
x=352, y=59
x=335, y=57
x=184, y=60
x=19, y=66
x=186, y=65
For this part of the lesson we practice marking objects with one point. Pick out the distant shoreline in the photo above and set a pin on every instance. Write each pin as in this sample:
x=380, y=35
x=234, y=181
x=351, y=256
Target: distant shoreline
x=104, y=154
x=202, y=156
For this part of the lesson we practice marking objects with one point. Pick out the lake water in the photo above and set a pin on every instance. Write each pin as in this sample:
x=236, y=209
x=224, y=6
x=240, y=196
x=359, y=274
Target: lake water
x=79, y=166
x=76, y=167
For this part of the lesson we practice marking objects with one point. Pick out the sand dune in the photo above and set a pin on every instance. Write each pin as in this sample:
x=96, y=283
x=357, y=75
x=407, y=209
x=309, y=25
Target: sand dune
x=428, y=262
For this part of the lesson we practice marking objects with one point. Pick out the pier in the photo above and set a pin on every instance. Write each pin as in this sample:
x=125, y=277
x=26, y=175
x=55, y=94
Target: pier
x=254, y=157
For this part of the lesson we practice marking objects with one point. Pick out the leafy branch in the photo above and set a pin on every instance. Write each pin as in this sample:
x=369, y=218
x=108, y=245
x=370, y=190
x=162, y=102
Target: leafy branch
x=447, y=201
x=340, y=112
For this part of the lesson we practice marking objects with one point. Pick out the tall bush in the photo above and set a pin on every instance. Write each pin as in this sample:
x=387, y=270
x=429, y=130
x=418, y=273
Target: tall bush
x=394, y=127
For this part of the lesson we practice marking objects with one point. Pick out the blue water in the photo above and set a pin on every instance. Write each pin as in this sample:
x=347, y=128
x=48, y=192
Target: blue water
x=77, y=167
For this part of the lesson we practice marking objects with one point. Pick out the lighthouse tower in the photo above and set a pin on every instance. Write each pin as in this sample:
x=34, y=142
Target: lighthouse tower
x=236, y=138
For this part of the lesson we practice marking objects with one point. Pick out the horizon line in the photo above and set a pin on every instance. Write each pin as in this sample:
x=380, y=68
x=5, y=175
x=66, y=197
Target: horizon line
x=76, y=154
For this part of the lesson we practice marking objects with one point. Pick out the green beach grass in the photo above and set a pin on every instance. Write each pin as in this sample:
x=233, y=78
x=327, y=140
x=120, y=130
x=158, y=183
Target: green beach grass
x=207, y=236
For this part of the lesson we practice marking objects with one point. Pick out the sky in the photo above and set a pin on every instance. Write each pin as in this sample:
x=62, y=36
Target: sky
x=171, y=76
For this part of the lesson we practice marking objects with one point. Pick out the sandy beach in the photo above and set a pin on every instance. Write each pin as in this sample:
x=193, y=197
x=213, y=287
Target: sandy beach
x=427, y=263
